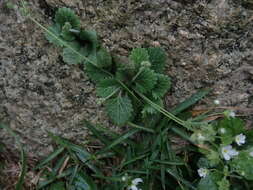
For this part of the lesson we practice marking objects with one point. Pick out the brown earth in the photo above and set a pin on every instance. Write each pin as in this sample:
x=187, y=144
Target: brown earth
x=209, y=43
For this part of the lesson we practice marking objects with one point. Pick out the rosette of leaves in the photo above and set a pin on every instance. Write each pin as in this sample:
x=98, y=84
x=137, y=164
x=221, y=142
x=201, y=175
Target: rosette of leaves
x=118, y=80
x=141, y=73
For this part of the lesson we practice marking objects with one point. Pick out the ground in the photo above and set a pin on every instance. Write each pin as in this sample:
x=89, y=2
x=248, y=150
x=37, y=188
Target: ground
x=209, y=44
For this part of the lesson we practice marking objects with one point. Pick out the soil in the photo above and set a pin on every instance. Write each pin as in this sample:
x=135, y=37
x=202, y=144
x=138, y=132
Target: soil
x=209, y=45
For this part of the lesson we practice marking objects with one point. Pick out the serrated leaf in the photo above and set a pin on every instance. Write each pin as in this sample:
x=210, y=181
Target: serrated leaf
x=163, y=84
x=139, y=55
x=64, y=15
x=71, y=57
x=95, y=74
x=107, y=87
x=90, y=38
x=75, y=55
x=104, y=58
x=243, y=164
x=119, y=109
x=224, y=184
x=55, y=32
x=66, y=34
x=157, y=57
x=148, y=109
x=207, y=183
x=145, y=81
x=229, y=128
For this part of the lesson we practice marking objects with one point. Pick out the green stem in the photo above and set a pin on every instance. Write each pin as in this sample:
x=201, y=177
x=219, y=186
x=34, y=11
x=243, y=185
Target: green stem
x=142, y=128
x=139, y=72
x=163, y=111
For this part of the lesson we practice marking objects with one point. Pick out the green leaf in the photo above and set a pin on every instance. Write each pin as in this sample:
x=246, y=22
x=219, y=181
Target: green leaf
x=207, y=183
x=107, y=87
x=95, y=73
x=148, y=109
x=157, y=57
x=64, y=15
x=229, y=128
x=57, y=186
x=243, y=164
x=145, y=81
x=55, y=32
x=163, y=84
x=66, y=34
x=139, y=55
x=104, y=58
x=74, y=57
x=83, y=182
x=19, y=185
x=224, y=184
x=190, y=101
x=119, y=140
x=49, y=158
x=119, y=109
x=90, y=37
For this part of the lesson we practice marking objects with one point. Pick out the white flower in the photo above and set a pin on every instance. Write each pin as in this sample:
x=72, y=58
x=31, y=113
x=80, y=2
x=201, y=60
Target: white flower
x=240, y=139
x=222, y=130
x=251, y=154
x=228, y=152
x=216, y=102
x=231, y=114
x=124, y=178
x=202, y=172
x=200, y=137
x=134, y=184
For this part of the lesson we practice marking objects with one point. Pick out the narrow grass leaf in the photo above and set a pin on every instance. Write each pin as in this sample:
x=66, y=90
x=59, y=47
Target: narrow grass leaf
x=51, y=156
x=121, y=139
x=190, y=101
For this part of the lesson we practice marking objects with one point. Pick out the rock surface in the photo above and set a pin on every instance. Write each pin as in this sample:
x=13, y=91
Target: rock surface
x=209, y=43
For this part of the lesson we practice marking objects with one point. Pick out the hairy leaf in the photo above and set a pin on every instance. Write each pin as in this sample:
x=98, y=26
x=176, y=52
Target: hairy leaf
x=64, y=15
x=162, y=86
x=207, y=183
x=107, y=87
x=90, y=38
x=119, y=109
x=74, y=55
x=95, y=74
x=55, y=32
x=139, y=55
x=243, y=164
x=148, y=109
x=145, y=81
x=157, y=57
x=104, y=58
x=66, y=34
x=229, y=128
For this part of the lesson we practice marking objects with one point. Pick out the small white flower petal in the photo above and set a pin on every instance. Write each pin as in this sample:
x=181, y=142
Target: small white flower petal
x=240, y=139
x=228, y=152
x=231, y=114
x=226, y=156
x=132, y=187
x=222, y=130
x=136, y=181
x=251, y=154
x=216, y=102
x=202, y=172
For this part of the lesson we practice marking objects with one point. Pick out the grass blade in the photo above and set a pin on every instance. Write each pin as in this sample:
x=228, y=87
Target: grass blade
x=119, y=140
x=49, y=158
x=190, y=101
